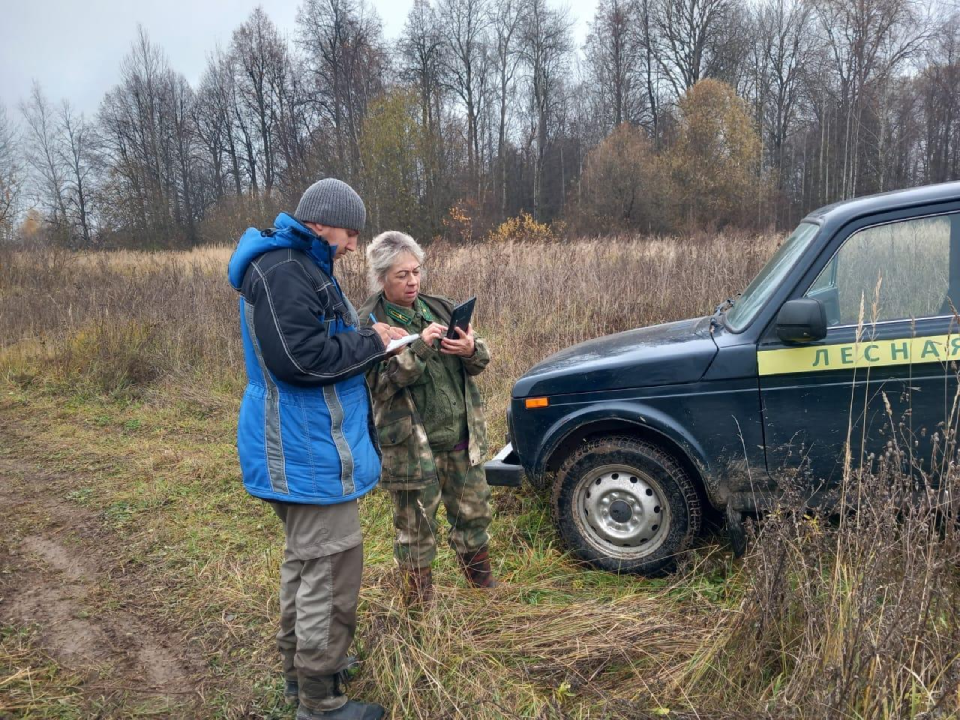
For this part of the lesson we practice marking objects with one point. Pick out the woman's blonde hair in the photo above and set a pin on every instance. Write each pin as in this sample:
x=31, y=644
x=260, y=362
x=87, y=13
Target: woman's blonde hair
x=383, y=252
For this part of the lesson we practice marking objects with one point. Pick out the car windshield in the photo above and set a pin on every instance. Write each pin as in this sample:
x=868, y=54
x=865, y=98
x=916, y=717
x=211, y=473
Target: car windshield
x=768, y=279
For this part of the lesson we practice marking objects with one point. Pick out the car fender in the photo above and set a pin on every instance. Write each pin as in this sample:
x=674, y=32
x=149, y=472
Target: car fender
x=631, y=413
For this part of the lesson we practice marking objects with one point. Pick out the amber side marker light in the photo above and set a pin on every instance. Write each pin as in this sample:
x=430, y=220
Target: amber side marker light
x=531, y=403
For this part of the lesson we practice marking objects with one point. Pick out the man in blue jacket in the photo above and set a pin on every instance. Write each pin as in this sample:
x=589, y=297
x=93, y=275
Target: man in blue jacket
x=305, y=435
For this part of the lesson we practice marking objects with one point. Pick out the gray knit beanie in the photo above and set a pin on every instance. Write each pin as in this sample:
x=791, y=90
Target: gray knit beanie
x=332, y=202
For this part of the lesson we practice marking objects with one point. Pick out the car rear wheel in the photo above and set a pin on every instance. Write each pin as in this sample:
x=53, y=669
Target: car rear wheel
x=625, y=505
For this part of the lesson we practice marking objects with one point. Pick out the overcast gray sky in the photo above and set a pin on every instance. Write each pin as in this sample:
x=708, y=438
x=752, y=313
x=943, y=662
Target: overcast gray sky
x=74, y=47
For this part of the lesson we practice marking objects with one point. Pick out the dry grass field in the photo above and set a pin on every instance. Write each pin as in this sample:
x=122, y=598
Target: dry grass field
x=138, y=580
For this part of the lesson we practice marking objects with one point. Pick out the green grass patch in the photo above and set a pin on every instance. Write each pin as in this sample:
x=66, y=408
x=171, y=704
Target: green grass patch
x=32, y=683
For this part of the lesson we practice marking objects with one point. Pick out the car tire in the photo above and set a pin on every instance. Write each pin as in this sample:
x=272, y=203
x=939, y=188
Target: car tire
x=625, y=506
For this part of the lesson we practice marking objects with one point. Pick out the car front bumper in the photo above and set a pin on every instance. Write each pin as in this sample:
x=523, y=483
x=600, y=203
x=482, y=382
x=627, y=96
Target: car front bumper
x=504, y=469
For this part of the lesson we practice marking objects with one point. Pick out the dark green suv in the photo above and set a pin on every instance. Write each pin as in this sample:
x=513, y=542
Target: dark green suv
x=847, y=334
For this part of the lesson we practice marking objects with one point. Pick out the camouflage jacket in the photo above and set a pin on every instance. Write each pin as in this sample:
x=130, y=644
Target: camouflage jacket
x=408, y=462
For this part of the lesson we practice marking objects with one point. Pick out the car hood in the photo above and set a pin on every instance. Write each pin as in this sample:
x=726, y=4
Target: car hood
x=678, y=352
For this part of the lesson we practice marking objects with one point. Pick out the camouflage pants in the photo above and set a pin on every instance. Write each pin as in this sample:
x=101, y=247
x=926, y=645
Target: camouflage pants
x=466, y=496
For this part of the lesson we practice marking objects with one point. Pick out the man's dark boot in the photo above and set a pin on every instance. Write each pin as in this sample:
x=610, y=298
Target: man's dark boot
x=291, y=689
x=352, y=710
x=291, y=692
x=329, y=687
x=476, y=566
x=417, y=586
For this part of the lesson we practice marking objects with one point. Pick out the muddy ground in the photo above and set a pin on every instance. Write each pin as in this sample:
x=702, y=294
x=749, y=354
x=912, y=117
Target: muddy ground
x=61, y=575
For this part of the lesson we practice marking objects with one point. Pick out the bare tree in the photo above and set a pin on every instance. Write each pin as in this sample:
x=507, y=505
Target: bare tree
x=185, y=202
x=343, y=44
x=77, y=148
x=688, y=36
x=506, y=25
x=214, y=120
x=939, y=92
x=245, y=132
x=145, y=132
x=262, y=66
x=652, y=69
x=44, y=158
x=463, y=26
x=615, y=62
x=297, y=123
x=545, y=47
x=421, y=66
x=421, y=60
x=11, y=175
x=783, y=46
x=868, y=41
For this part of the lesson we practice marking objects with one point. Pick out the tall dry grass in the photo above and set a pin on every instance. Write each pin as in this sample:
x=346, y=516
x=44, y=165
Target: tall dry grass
x=121, y=321
x=852, y=612
x=847, y=615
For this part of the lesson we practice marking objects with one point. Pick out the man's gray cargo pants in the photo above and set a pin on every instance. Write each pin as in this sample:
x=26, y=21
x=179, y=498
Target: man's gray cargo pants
x=319, y=588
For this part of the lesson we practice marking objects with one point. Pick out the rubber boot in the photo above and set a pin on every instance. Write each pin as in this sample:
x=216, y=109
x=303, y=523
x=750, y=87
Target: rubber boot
x=476, y=566
x=329, y=687
x=417, y=586
x=291, y=690
x=352, y=710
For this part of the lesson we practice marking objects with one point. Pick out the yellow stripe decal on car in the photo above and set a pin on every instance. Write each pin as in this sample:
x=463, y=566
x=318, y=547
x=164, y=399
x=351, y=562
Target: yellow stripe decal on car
x=865, y=354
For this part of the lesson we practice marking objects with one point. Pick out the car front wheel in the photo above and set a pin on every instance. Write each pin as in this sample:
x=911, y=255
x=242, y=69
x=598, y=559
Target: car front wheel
x=624, y=505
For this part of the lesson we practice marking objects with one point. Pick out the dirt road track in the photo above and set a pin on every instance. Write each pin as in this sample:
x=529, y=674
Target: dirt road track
x=61, y=574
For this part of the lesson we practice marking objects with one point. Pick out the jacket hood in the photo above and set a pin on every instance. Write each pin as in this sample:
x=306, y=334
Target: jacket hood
x=286, y=232
x=678, y=352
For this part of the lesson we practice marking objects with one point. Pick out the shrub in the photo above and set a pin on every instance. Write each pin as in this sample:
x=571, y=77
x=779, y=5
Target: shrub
x=226, y=220
x=111, y=357
x=523, y=228
x=459, y=225
x=713, y=161
x=620, y=187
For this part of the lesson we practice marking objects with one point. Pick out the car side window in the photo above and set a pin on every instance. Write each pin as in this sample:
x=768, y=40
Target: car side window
x=895, y=271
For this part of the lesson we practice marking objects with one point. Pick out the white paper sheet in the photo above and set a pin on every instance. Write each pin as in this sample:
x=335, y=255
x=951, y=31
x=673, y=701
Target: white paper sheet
x=406, y=340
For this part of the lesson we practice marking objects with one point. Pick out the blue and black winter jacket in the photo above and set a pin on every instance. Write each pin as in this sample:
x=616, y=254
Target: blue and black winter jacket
x=305, y=432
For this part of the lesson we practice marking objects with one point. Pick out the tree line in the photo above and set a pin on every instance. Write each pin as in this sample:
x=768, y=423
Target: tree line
x=674, y=115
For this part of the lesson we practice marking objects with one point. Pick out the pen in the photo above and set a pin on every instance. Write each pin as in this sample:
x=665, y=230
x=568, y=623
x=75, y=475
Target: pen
x=373, y=319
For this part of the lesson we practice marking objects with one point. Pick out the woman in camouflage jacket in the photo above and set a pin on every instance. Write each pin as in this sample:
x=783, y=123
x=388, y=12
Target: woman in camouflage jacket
x=429, y=415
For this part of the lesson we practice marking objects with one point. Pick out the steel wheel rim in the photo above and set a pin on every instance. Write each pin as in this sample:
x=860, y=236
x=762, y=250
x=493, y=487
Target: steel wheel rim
x=622, y=511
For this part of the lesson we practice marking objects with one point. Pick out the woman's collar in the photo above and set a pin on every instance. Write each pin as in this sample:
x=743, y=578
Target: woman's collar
x=407, y=315
x=402, y=315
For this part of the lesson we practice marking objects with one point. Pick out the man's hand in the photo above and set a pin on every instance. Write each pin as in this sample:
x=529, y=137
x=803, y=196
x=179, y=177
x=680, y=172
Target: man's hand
x=463, y=345
x=432, y=333
x=388, y=332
